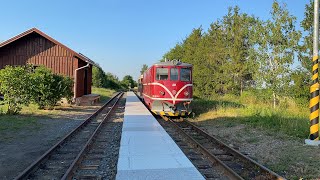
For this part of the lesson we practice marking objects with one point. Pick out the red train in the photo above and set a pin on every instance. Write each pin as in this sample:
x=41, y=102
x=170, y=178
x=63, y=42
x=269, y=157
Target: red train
x=166, y=88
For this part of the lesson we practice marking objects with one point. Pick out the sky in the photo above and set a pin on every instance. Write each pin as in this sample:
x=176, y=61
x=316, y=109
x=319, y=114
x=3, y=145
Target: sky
x=122, y=35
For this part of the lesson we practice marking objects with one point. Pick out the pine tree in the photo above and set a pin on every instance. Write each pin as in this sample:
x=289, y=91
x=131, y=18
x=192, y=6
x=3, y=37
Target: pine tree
x=238, y=27
x=143, y=69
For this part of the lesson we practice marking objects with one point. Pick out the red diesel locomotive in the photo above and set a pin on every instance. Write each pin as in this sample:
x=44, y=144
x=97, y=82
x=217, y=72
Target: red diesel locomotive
x=166, y=88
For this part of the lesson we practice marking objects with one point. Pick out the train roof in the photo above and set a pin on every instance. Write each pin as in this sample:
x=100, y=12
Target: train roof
x=172, y=63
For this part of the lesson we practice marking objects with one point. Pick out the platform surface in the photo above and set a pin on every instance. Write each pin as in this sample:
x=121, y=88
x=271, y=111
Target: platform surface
x=147, y=151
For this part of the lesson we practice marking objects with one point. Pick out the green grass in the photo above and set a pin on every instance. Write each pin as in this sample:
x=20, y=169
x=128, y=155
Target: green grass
x=288, y=117
x=105, y=94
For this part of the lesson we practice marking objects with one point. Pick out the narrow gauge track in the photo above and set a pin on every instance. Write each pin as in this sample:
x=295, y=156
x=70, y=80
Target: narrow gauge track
x=99, y=159
x=221, y=156
x=59, y=159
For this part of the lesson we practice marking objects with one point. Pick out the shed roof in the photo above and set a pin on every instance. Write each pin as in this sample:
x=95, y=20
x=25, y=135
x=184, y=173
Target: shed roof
x=35, y=30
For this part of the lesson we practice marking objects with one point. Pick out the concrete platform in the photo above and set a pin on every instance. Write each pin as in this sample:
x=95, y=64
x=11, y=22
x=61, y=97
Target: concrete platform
x=147, y=151
x=87, y=100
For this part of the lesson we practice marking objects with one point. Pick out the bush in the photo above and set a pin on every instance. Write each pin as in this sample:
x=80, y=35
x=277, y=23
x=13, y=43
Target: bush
x=50, y=88
x=15, y=85
x=22, y=84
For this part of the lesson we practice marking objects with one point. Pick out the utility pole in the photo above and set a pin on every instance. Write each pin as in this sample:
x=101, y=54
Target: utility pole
x=314, y=89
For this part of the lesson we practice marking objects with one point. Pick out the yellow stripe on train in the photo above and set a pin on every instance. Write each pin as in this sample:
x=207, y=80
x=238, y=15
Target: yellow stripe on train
x=163, y=113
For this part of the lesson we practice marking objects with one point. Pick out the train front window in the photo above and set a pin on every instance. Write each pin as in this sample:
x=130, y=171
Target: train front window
x=174, y=74
x=162, y=74
x=185, y=74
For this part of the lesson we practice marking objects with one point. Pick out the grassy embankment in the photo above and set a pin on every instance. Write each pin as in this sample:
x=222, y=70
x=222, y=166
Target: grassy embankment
x=30, y=114
x=288, y=117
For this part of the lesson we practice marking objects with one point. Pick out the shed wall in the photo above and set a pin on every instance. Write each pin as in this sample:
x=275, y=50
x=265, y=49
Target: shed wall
x=37, y=50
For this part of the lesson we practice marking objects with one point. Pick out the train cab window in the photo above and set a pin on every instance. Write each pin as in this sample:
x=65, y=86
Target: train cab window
x=162, y=74
x=185, y=74
x=174, y=74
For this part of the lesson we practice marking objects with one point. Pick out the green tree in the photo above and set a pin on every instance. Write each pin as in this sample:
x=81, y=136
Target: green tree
x=208, y=63
x=174, y=53
x=144, y=68
x=305, y=53
x=238, y=28
x=191, y=45
x=112, y=81
x=128, y=81
x=98, y=76
x=15, y=85
x=277, y=41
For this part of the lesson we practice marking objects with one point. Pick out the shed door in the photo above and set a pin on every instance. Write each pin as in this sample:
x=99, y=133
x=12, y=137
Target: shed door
x=85, y=81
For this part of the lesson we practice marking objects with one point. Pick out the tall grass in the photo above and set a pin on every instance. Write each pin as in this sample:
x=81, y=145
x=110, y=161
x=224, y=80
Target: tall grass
x=289, y=116
x=104, y=93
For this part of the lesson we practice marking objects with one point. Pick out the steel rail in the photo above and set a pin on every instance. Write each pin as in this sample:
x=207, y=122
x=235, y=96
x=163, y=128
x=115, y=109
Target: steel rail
x=33, y=167
x=235, y=152
x=68, y=174
x=229, y=172
x=215, y=160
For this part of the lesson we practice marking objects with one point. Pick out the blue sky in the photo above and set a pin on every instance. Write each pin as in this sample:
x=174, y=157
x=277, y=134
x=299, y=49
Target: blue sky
x=121, y=35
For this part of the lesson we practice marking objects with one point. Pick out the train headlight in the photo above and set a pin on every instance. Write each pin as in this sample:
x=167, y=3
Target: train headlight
x=186, y=93
x=162, y=93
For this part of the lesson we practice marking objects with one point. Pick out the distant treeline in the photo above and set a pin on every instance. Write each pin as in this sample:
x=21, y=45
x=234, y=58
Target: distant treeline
x=241, y=52
x=108, y=80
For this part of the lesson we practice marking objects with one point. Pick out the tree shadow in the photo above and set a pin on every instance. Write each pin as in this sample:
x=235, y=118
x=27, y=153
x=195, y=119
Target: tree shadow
x=200, y=106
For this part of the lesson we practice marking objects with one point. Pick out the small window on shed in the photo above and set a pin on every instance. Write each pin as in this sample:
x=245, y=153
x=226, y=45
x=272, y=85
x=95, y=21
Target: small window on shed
x=162, y=74
x=174, y=74
x=185, y=74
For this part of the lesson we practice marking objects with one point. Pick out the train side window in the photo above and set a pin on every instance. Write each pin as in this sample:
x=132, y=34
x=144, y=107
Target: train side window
x=162, y=74
x=174, y=74
x=185, y=74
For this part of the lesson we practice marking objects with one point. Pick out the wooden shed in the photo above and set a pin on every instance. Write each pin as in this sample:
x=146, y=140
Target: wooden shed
x=37, y=48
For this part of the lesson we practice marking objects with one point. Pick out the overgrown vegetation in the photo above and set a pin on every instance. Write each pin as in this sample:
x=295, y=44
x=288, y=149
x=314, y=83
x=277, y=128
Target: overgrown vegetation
x=253, y=109
x=22, y=85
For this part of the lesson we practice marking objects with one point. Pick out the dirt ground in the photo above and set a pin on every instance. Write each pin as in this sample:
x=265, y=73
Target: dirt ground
x=287, y=156
x=18, y=149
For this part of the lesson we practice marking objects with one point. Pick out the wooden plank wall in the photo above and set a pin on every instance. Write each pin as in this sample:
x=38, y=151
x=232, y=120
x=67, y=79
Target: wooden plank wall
x=37, y=50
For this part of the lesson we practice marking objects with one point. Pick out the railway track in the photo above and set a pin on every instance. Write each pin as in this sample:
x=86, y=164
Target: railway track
x=63, y=160
x=210, y=155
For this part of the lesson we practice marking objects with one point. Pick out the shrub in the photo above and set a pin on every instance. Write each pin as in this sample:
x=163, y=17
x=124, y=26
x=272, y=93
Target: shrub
x=15, y=85
x=50, y=88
